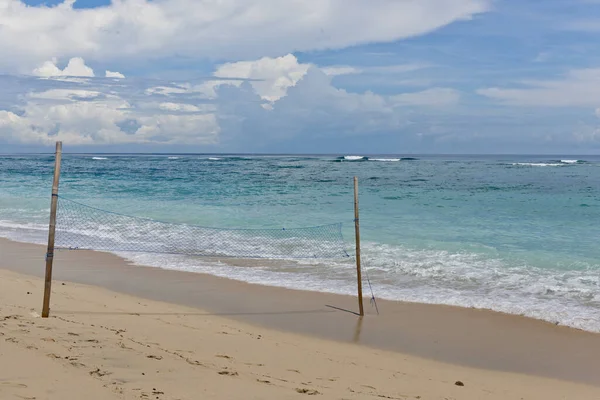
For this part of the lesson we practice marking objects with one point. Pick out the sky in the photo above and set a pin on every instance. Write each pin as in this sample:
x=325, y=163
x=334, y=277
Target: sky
x=301, y=76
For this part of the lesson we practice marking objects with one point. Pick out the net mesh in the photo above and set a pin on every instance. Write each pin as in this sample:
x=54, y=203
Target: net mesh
x=79, y=226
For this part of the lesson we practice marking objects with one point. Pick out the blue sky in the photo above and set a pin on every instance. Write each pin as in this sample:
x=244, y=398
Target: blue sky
x=373, y=76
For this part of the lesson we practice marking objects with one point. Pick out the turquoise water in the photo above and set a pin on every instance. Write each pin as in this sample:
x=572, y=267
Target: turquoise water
x=511, y=233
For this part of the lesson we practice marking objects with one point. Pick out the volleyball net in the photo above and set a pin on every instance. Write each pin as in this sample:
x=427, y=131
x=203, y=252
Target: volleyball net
x=82, y=227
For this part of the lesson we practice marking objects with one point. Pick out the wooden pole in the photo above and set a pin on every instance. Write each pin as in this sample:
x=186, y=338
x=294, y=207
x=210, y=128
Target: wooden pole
x=357, y=235
x=51, y=231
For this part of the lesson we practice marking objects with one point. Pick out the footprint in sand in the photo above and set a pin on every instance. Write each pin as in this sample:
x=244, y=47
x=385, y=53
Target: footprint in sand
x=309, y=392
x=77, y=364
x=229, y=373
x=13, y=385
x=194, y=362
x=98, y=372
x=255, y=365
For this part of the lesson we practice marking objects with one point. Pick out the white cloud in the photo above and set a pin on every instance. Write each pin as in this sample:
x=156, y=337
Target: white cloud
x=578, y=88
x=273, y=98
x=111, y=74
x=213, y=29
x=80, y=117
x=48, y=69
x=76, y=122
x=67, y=94
x=75, y=67
x=179, y=107
x=428, y=97
x=167, y=90
x=314, y=106
x=336, y=70
x=271, y=77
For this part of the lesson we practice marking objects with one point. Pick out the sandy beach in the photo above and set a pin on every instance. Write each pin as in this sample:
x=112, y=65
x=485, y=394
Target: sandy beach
x=129, y=332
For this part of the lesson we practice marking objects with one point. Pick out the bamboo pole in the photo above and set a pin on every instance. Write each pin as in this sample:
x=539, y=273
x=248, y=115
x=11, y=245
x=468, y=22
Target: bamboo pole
x=51, y=231
x=357, y=235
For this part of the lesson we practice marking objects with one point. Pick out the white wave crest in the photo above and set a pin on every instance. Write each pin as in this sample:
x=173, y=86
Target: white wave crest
x=353, y=158
x=538, y=164
x=99, y=158
x=569, y=161
x=214, y=158
x=385, y=159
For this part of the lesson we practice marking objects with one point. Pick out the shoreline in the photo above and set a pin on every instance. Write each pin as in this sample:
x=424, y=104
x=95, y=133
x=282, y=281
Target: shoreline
x=472, y=338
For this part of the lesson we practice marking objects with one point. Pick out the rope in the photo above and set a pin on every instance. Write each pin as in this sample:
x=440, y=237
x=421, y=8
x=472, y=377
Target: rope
x=373, y=301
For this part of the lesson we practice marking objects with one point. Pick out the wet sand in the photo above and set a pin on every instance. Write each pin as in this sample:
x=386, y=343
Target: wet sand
x=470, y=338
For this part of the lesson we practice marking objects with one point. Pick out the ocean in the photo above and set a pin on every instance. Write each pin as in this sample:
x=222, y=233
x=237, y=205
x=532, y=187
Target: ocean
x=516, y=234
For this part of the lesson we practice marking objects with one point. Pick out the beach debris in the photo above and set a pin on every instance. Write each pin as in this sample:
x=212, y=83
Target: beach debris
x=154, y=357
x=459, y=383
